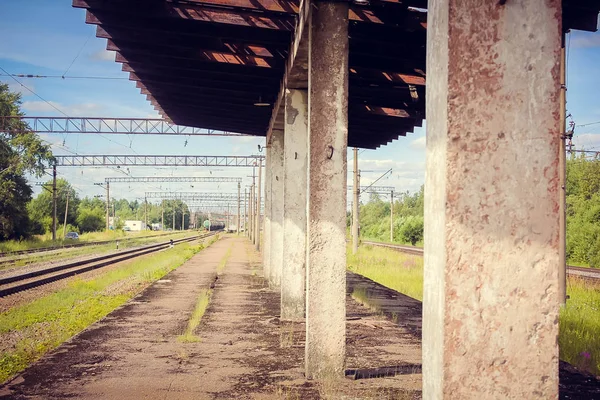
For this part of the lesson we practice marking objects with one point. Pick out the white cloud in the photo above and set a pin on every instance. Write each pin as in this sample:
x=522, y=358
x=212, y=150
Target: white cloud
x=418, y=144
x=18, y=88
x=250, y=139
x=74, y=110
x=103, y=55
x=40, y=106
x=585, y=39
x=587, y=140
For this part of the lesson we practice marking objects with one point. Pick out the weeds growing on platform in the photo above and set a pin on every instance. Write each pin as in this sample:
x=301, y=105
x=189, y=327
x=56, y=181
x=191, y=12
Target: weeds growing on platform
x=201, y=306
x=579, y=337
x=30, y=330
x=398, y=271
x=202, y=303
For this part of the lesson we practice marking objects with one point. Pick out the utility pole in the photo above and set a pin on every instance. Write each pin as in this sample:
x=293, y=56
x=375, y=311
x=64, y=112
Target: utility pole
x=258, y=206
x=182, y=217
x=355, y=208
x=238, y=204
x=562, y=165
x=54, y=202
x=245, y=211
x=392, y=216
x=107, y=205
x=146, y=212
x=162, y=215
x=173, y=218
x=66, y=213
x=252, y=209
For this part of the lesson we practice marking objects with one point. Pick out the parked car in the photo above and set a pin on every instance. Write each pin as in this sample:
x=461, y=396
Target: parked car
x=126, y=229
x=72, y=235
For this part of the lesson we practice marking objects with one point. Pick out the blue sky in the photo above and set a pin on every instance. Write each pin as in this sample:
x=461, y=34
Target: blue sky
x=44, y=37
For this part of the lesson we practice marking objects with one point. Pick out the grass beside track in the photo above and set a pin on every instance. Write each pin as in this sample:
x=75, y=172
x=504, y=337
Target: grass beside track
x=41, y=241
x=399, y=271
x=29, y=331
x=579, y=335
x=89, y=250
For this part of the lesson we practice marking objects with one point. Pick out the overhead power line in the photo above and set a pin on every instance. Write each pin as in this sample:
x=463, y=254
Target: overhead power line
x=590, y=123
x=78, y=53
x=65, y=77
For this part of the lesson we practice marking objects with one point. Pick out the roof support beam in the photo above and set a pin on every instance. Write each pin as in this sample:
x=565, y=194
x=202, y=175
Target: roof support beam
x=296, y=70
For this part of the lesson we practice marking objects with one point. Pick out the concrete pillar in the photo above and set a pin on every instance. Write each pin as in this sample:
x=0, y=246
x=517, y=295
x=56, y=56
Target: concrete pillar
x=355, y=203
x=276, y=163
x=490, y=308
x=267, y=228
x=251, y=216
x=258, y=209
x=326, y=227
x=294, y=205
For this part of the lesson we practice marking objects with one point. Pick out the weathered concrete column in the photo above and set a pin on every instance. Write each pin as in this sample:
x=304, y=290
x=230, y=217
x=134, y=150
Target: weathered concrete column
x=326, y=227
x=252, y=210
x=258, y=208
x=490, y=309
x=355, y=203
x=276, y=236
x=267, y=228
x=294, y=205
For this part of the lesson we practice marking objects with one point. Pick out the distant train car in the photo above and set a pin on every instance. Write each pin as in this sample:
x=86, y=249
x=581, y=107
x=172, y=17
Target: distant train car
x=214, y=225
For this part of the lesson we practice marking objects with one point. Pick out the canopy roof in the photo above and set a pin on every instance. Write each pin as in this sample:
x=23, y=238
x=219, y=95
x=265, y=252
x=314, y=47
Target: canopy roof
x=221, y=64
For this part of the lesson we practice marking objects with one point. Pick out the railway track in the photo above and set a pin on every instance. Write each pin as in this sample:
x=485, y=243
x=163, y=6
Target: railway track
x=73, y=245
x=18, y=283
x=581, y=272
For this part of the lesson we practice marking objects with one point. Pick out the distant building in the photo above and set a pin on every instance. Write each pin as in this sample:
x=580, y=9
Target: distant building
x=135, y=225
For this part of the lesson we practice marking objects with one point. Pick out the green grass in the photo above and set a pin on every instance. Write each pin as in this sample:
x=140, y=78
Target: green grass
x=202, y=303
x=201, y=306
x=40, y=241
x=398, y=271
x=88, y=250
x=579, y=335
x=29, y=331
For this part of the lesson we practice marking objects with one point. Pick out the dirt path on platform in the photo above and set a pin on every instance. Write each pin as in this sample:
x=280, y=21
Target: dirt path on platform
x=244, y=351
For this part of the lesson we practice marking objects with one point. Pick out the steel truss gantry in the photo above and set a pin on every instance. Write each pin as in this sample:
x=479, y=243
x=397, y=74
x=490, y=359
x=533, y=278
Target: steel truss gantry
x=154, y=179
x=375, y=189
x=157, y=161
x=124, y=126
x=193, y=196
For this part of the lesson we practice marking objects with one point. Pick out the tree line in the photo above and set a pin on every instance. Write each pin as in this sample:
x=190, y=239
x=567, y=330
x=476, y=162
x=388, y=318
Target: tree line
x=408, y=213
x=89, y=214
x=583, y=214
x=23, y=153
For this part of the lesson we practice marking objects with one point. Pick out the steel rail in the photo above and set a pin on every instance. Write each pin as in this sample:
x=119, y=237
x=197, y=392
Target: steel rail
x=45, y=275
x=82, y=244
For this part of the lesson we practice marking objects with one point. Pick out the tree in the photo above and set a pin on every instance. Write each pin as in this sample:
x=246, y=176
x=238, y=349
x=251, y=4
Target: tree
x=40, y=208
x=583, y=211
x=91, y=215
x=21, y=152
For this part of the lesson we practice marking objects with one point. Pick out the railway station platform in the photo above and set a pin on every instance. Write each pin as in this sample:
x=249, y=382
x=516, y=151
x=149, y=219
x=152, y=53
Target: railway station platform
x=241, y=349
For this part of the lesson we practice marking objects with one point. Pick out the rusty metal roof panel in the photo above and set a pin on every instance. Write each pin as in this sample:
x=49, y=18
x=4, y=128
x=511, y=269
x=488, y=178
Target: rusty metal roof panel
x=211, y=63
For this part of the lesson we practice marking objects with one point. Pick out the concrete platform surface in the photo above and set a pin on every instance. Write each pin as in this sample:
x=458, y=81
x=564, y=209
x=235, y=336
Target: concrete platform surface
x=243, y=350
